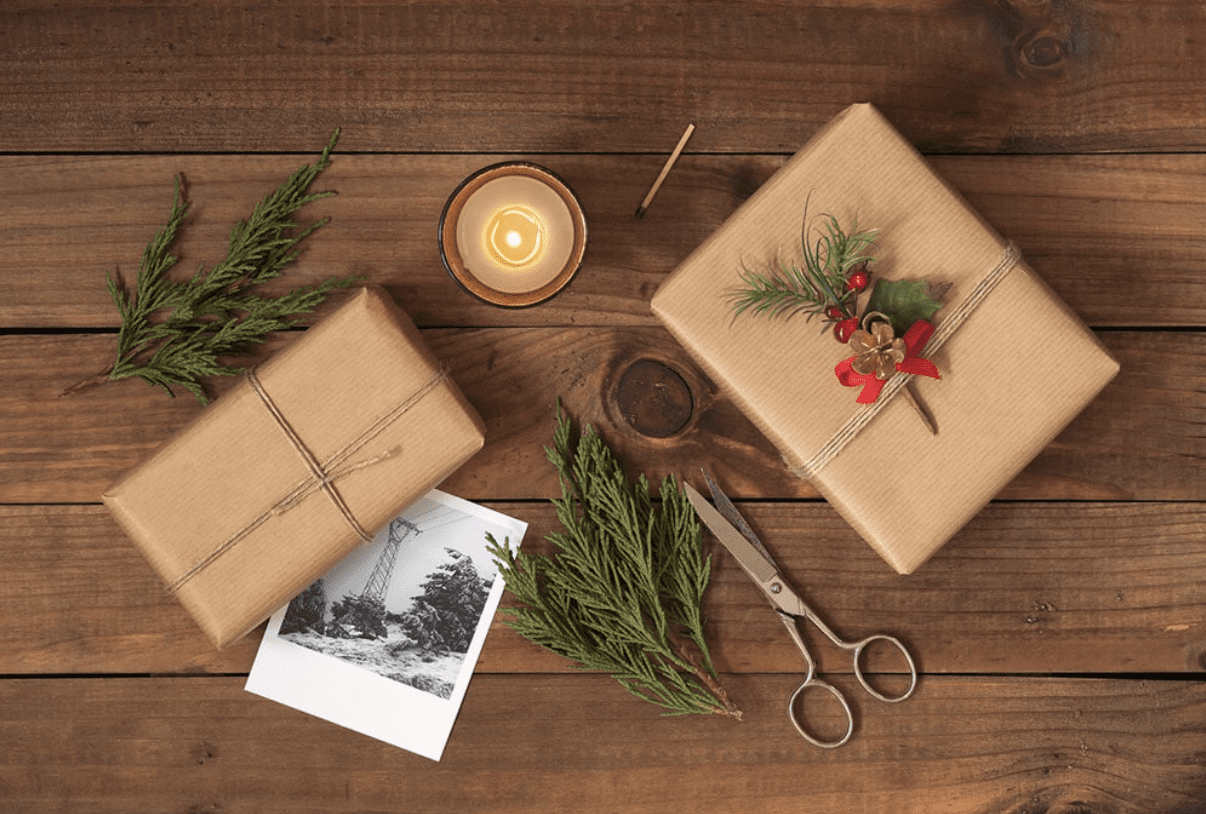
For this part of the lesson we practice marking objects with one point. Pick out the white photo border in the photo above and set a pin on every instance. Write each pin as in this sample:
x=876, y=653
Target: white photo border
x=359, y=699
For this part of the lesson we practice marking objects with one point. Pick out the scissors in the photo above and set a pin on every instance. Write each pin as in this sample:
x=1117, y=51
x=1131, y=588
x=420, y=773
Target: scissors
x=736, y=535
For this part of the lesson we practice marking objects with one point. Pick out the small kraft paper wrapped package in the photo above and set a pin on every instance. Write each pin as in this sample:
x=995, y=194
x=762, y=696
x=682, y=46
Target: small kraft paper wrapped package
x=1015, y=364
x=297, y=465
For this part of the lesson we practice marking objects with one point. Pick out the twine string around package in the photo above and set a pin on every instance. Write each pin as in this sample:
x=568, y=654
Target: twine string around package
x=864, y=415
x=323, y=475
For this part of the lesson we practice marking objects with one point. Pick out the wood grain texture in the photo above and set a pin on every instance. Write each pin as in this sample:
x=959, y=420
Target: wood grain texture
x=1118, y=237
x=1061, y=634
x=563, y=76
x=1026, y=588
x=581, y=744
x=1141, y=439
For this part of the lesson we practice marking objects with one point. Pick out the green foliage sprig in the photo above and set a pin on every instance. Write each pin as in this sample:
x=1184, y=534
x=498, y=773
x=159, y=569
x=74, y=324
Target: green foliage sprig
x=624, y=591
x=815, y=287
x=173, y=333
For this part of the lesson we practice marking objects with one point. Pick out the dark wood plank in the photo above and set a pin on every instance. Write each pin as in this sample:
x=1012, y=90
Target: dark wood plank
x=83, y=600
x=579, y=743
x=113, y=701
x=1025, y=588
x=558, y=76
x=1118, y=237
x=1138, y=440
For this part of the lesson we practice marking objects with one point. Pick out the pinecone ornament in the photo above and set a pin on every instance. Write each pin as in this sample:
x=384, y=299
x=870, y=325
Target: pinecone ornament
x=877, y=350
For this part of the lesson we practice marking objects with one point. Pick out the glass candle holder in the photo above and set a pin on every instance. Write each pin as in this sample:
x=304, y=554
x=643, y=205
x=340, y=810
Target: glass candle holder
x=513, y=234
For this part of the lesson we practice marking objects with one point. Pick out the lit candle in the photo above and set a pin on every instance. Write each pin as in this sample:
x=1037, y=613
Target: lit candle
x=513, y=234
x=515, y=237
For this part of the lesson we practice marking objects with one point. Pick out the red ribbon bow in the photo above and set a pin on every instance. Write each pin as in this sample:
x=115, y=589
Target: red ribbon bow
x=915, y=340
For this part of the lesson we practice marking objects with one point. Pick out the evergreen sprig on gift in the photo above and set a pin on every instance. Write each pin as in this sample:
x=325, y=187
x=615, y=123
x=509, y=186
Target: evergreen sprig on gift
x=624, y=591
x=174, y=333
x=826, y=285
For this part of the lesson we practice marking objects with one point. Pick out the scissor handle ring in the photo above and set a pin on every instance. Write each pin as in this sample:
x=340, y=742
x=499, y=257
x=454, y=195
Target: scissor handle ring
x=808, y=736
x=860, y=648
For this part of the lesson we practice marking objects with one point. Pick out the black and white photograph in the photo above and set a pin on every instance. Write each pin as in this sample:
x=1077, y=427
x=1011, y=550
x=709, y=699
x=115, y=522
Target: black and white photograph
x=385, y=643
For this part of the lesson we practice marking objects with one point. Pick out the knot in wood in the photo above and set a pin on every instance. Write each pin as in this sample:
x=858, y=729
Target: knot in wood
x=654, y=399
x=1044, y=51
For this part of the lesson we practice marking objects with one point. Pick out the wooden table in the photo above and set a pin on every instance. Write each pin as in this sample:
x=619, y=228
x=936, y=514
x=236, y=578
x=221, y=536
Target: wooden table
x=1062, y=634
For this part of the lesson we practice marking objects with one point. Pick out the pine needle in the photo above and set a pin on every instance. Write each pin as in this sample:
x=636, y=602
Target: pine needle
x=624, y=592
x=790, y=289
x=174, y=333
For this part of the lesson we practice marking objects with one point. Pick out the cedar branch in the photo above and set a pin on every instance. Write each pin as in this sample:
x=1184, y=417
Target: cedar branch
x=176, y=333
x=624, y=591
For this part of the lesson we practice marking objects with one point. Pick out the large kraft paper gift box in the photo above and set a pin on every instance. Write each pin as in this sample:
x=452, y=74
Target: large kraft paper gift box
x=305, y=459
x=1017, y=367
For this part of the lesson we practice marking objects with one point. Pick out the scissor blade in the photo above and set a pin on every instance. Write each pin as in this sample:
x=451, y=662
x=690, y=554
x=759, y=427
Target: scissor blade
x=751, y=559
x=729, y=512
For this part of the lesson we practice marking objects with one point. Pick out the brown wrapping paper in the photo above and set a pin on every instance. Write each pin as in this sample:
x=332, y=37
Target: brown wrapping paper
x=231, y=514
x=1014, y=373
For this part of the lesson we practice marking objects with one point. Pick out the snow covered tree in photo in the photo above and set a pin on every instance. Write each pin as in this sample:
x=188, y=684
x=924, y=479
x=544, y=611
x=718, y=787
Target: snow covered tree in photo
x=446, y=615
x=358, y=616
x=307, y=611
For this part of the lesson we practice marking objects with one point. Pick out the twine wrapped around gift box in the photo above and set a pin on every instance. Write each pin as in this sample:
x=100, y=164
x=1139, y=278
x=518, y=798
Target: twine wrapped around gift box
x=1016, y=364
x=279, y=479
x=894, y=385
x=323, y=475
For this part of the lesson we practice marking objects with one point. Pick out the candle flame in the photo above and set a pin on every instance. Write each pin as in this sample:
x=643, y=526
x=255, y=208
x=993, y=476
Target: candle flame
x=515, y=236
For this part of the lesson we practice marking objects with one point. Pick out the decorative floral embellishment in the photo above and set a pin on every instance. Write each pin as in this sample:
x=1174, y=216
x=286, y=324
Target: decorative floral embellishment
x=878, y=358
x=897, y=313
x=877, y=351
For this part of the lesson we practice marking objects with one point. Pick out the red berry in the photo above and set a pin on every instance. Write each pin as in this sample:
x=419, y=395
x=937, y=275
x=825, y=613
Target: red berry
x=844, y=329
x=833, y=312
x=858, y=281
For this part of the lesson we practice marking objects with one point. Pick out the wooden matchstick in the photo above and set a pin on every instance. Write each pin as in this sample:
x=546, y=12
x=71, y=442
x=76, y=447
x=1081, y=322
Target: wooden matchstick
x=682, y=142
